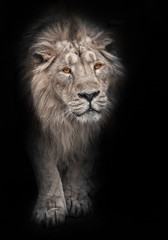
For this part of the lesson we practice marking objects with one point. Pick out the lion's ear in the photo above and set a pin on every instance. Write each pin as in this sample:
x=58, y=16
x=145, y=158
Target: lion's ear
x=105, y=41
x=110, y=41
x=112, y=47
x=41, y=53
x=41, y=57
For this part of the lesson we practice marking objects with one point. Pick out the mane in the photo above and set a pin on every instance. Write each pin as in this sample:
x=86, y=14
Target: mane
x=53, y=116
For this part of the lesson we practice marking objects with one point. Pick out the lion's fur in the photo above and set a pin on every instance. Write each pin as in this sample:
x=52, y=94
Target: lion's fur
x=59, y=135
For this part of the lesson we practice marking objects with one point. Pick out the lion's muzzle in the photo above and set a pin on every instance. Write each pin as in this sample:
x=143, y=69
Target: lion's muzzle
x=89, y=96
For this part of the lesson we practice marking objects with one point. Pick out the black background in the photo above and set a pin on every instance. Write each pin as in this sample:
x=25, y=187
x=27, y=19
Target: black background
x=134, y=154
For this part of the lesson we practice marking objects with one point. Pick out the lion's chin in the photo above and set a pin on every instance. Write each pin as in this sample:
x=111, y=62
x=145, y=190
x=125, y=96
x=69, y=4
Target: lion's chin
x=88, y=116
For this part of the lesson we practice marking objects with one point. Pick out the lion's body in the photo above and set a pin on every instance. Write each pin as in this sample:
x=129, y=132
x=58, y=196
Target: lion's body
x=70, y=80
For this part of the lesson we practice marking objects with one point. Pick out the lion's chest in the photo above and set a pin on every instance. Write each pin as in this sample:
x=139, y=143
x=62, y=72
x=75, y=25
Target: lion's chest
x=70, y=143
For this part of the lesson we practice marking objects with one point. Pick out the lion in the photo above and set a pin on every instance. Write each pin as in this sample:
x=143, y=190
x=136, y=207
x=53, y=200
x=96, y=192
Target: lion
x=69, y=75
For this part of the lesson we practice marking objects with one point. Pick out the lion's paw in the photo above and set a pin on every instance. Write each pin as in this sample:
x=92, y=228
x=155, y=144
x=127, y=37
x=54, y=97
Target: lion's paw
x=50, y=212
x=79, y=207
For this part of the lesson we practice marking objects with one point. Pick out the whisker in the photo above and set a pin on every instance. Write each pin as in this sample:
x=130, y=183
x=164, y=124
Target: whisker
x=68, y=113
x=76, y=105
x=78, y=108
x=104, y=102
x=63, y=114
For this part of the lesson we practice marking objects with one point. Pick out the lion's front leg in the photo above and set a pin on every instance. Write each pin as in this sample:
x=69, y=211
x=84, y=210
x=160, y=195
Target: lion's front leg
x=50, y=209
x=76, y=189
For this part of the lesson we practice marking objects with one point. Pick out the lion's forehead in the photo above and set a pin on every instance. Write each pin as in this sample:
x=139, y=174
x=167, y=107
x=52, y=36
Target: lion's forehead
x=74, y=50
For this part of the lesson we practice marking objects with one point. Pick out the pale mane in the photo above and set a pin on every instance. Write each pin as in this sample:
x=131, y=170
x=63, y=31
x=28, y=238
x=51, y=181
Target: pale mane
x=47, y=41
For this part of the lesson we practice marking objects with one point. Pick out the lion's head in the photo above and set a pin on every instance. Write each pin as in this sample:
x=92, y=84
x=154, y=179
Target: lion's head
x=71, y=72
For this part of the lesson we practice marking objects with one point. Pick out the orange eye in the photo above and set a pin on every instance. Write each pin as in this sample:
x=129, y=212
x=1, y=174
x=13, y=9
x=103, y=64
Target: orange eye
x=67, y=70
x=97, y=66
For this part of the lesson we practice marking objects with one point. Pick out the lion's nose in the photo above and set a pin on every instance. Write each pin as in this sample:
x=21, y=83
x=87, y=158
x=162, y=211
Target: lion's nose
x=88, y=96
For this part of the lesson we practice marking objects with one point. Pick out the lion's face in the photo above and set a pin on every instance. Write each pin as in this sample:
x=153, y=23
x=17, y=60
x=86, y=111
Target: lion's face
x=75, y=78
x=81, y=77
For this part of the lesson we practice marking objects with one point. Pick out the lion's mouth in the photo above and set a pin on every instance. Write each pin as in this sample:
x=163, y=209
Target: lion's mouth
x=88, y=111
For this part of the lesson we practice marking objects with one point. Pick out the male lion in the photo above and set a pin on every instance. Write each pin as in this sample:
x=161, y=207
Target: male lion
x=70, y=78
